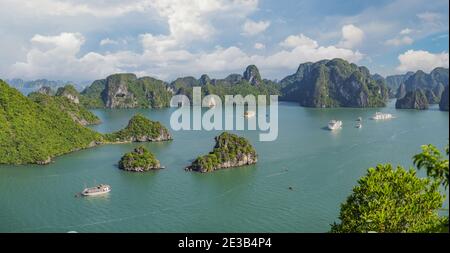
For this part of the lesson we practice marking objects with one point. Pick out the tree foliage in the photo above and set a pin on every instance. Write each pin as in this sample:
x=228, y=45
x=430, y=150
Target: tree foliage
x=391, y=200
x=434, y=162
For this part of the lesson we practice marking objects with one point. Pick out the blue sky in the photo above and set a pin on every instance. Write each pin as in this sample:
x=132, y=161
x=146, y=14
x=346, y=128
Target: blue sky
x=87, y=40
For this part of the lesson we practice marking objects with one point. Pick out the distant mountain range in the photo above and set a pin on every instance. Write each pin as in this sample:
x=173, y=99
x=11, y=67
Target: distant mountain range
x=326, y=83
x=39, y=83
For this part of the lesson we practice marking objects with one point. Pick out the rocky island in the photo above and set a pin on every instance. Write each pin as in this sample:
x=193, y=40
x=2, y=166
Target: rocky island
x=140, y=160
x=34, y=130
x=334, y=83
x=413, y=100
x=141, y=129
x=230, y=151
x=126, y=91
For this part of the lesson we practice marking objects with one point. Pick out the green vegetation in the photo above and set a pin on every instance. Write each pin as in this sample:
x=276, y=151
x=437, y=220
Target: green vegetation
x=32, y=133
x=250, y=83
x=63, y=105
x=436, y=165
x=36, y=129
x=126, y=91
x=395, y=200
x=229, y=148
x=334, y=83
x=141, y=159
x=140, y=129
x=389, y=200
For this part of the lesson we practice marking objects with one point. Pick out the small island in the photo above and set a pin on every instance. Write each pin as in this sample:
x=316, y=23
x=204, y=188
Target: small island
x=140, y=129
x=230, y=151
x=140, y=160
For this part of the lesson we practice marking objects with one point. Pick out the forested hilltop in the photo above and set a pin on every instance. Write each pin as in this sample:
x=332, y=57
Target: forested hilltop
x=38, y=129
x=334, y=83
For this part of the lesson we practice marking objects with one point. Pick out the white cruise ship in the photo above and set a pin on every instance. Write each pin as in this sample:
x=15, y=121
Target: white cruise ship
x=382, y=116
x=97, y=190
x=334, y=124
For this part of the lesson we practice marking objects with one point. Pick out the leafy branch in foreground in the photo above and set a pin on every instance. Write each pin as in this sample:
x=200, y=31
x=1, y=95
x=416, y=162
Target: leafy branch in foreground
x=436, y=165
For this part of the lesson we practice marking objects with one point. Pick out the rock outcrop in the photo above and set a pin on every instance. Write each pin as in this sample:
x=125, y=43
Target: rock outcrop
x=140, y=160
x=127, y=91
x=443, y=104
x=334, y=83
x=46, y=91
x=432, y=84
x=230, y=151
x=413, y=100
x=70, y=93
x=394, y=82
x=141, y=129
x=251, y=75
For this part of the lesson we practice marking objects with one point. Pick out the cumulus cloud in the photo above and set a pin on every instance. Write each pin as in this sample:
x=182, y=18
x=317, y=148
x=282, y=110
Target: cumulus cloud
x=351, y=36
x=399, y=41
x=108, y=41
x=59, y=57
x=301, y=40
x=251, y=28
x=259, y=46
x=413, y=60
x=56, y=57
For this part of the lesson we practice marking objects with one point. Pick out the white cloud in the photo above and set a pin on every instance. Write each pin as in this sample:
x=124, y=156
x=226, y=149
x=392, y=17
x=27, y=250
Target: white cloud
x=405, y=40
x=406, y=31
x=301, y=40
x=259, y=46
x=351, y=36
x=251, y=28
x=413, y=60
x=108, y=41
x=56, y=56
x=59, y=57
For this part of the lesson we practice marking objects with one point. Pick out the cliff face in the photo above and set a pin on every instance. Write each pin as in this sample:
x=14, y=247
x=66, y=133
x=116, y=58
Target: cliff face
x=334, y=83
x=251, y=75
x=116, y=94
x=432, y=84
x=70, y=93
x=413, y=100
x=394, y=82
x=127, y=91
x=230, y=151
x=443, y=105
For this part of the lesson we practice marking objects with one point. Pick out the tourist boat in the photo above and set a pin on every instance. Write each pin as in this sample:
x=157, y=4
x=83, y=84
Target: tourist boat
x=334, y=124
x=249, y=114
x=382, y=116
x=97, y=190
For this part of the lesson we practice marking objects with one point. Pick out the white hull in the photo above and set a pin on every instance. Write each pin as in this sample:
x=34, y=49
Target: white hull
x=94, y=193
x=334, y=125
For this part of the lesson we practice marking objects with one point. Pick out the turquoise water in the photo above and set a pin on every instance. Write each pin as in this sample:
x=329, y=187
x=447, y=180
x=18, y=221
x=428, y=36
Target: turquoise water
x=321, y=166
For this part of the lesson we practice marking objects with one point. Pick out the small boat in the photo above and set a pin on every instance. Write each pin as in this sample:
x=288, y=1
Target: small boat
x=382, y=116
x=97, y=190
x=359, y=119
x=334, y=124
x=359, y=125
x=249, y=114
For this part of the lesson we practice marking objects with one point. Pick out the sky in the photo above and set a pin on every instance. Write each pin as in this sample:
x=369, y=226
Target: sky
x=82, y=40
